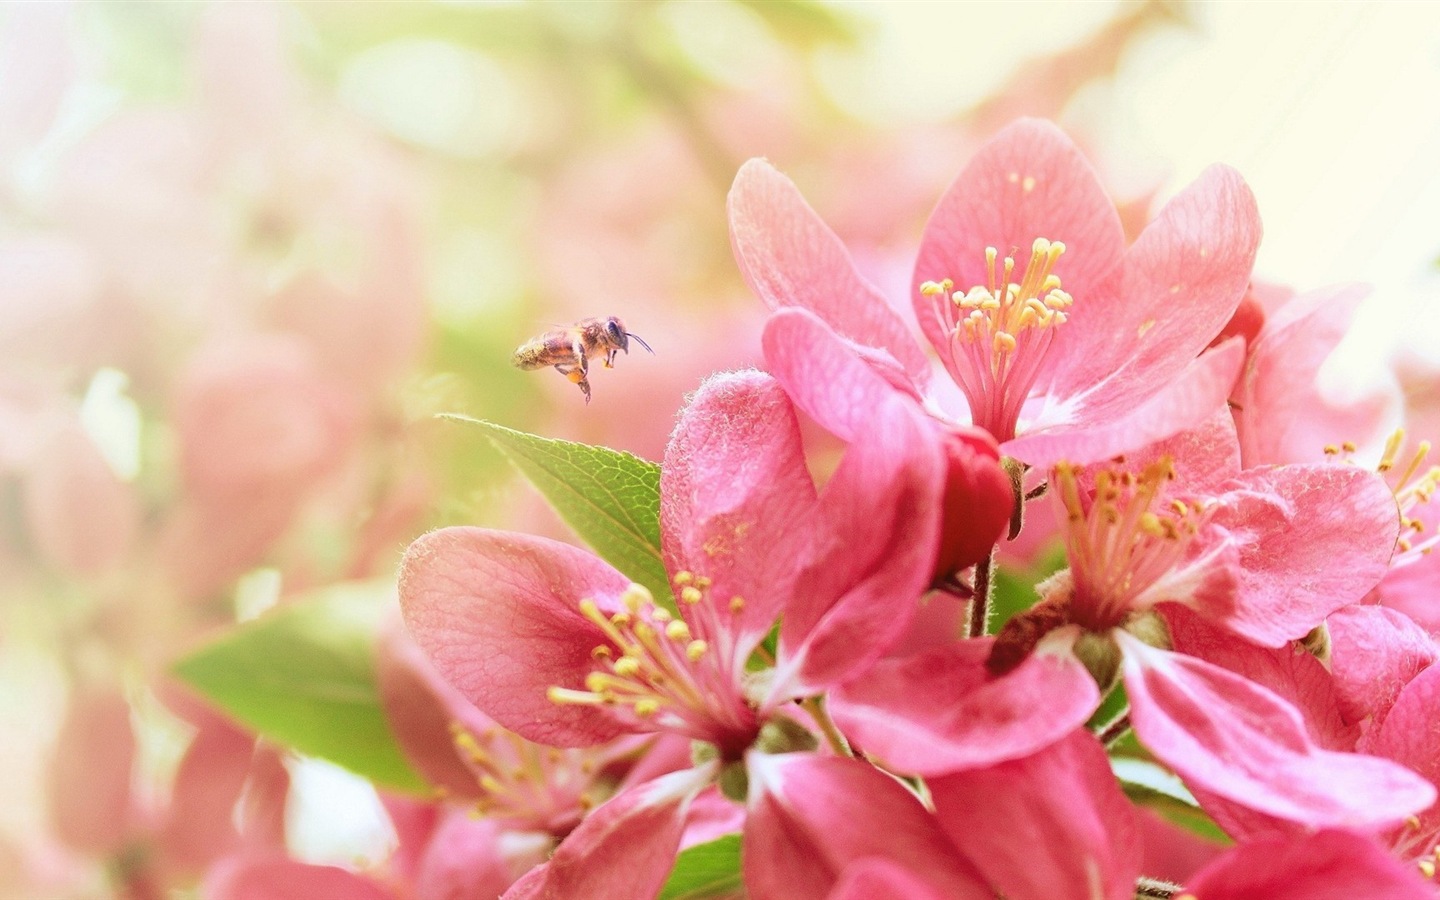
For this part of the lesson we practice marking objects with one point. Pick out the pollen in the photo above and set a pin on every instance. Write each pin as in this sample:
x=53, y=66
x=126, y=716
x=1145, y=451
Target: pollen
x=661, y=670
x=1413, y=483
x=1000, y=330
x=1123, y=537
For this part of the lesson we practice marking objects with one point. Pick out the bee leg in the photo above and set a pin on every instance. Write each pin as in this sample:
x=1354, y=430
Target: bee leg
x=610, y=359
x=576, y=375
x=582, y=361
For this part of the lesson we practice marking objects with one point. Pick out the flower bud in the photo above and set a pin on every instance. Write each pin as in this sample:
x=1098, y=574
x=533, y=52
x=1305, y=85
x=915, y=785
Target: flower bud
x=978, y=500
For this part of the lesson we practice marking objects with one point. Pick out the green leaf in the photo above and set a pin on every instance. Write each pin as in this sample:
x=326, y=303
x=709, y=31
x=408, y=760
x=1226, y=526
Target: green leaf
x=610, y=498
x=705, y=870
x=303, y=675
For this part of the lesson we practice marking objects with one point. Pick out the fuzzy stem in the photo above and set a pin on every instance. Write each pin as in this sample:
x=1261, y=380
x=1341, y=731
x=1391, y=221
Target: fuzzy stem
x=1117, y=728
x=1155, y=889
x=980, y=599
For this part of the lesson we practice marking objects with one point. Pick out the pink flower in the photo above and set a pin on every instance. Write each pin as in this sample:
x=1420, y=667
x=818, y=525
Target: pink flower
x=1265, y=554
x=1040, y=364
x=559, y=647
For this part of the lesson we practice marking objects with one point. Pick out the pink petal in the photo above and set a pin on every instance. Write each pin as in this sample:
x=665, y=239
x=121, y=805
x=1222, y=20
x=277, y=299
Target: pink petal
x=1029, y=181
x=941, y=711
x=625, y=848
x=822, y=375
x=1290, y=672
x=1204, y=457
x=199, y=825
x=810, y=816
x=1183, y=278
x=1280, y=377
x=497, y=614
x=737, y=500
x=469, y=857
x=1407, y=736
x=1374, y=653
x=277, y=878
x=262, y=809
x=1227, y=735
x=421, y=708
x=1092, y=434
x=1330, y=865
x=1312, y=539
x=877, y=878
x=880, y=511
x=83, y=518
x=1047, y=824
x=90, y=771
x=789, y=257
x=881, y=515
x=1172, y=853
x=414, y=821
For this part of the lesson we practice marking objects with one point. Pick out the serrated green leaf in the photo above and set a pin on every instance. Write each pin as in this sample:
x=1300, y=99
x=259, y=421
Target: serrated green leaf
x=303, y=675
x=705, y=870
x=610, y=498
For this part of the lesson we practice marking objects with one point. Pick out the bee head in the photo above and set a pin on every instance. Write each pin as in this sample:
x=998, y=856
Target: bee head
x=616, y=334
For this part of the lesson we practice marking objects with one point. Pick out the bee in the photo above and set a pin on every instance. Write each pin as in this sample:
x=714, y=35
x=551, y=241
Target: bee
x=569, y=349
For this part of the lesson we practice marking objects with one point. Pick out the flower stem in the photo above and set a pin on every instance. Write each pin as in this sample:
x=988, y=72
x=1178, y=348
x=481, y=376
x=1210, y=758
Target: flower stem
x=1155, y=889
x=1115, y=730
x=980, y=599
x=817, y=711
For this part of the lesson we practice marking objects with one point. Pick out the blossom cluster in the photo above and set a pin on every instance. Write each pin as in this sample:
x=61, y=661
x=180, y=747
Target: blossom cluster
x=1238, y=634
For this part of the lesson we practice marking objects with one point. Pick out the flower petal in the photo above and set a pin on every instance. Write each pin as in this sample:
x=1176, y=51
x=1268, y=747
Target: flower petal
x=877, y=878
x=1329, y=865
x=1090, y=434
x=497, y=614
x=1047, y=824
x=625, y=848
x=1237, y=739
x=1291, y=672
x=1183, y=278
x=89, y=777
x=941, y=711
x=736, y=500
x=420, y=707
x=810, y=816
x=1374, y=653
x=1408, y=737
x=1312, y=539
x=881, y=521
x=199, y=824
x=789, y=257
x=469, y=857
x=1030, y=181
x=277, y=878
x=824, y=377
x=1280, y=377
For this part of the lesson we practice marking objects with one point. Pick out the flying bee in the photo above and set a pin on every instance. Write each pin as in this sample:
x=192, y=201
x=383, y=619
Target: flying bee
x=569, y=349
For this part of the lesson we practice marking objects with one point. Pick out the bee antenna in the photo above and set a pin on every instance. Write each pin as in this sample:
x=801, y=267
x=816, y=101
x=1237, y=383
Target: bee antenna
x=641, y=340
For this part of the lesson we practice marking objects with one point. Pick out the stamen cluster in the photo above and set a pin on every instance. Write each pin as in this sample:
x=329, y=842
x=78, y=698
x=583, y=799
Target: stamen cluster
x=1124, y=538
x=1001, y=330
x=532, y=786
x=655, y=670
